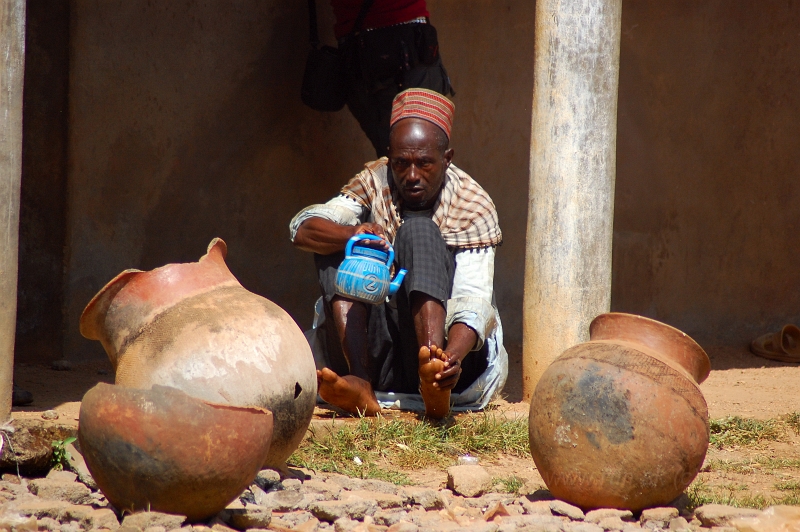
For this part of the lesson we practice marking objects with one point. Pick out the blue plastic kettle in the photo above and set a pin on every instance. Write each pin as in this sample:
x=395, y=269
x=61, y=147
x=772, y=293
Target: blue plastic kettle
x=364, y=273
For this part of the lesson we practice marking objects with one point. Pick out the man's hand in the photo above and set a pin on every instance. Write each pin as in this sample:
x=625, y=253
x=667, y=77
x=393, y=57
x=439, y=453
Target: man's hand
x=461, y=340
x=372, y=228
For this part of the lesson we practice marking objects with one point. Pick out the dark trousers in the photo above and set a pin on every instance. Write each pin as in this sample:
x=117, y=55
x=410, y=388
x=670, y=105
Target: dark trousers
x=385, y=62
x=393, y=363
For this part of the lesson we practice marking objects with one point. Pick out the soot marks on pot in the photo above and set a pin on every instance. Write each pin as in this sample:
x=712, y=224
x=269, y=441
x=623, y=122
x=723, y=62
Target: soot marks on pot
x=594, y=400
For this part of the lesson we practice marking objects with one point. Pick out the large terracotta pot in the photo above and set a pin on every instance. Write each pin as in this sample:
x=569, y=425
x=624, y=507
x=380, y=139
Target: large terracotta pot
x=194, y=327
x=619, y=421
x=163, y=450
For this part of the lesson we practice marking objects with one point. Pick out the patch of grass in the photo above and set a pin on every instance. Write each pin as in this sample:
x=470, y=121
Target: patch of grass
x=735, y=431
x=755, y=464
x=789, y=485
x=700, y=493
x=512, y=484
x=385, y=446
x=793, y=420
x=61, y=456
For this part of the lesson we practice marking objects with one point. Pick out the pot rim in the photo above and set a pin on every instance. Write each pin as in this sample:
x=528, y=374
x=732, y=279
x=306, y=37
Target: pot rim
x=88, y=325
x=700, y=373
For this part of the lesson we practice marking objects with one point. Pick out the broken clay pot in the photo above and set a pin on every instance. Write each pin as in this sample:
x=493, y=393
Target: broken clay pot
x=619, y=421
x=194, y=327
x=165, y=451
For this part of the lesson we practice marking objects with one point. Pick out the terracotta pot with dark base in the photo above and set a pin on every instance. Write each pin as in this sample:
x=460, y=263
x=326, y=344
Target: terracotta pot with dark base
x=165, y=451
x=620, y=421
x=192, y=326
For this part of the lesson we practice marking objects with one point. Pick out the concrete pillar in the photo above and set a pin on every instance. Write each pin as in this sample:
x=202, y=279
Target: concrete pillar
x=12, y=67
x=573, y=164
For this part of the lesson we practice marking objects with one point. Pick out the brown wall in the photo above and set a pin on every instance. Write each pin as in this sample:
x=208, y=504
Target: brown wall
x=39, y=334
x=708, y=177
x=185, y=124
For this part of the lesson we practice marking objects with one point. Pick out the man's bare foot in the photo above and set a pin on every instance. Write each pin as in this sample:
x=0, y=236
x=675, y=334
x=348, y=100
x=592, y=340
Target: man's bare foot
x=437, y=401
x=348, y=392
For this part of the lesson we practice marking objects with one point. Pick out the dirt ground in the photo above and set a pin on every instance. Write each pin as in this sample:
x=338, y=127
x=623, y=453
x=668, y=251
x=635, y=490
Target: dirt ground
x=740, y=384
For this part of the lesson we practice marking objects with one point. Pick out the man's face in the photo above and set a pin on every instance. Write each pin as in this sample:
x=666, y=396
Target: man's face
x=418, y=161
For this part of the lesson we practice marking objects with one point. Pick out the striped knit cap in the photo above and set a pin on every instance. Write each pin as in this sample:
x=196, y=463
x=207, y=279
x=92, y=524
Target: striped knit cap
x=425, y=104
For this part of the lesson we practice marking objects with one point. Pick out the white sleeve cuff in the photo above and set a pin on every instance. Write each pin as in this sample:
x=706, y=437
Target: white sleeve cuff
x=474, y=312
x=340, y=210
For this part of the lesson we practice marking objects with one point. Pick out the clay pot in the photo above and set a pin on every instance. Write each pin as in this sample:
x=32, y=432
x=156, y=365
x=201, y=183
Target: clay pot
x=165, y=451
x=194, y=327
x=619, y=421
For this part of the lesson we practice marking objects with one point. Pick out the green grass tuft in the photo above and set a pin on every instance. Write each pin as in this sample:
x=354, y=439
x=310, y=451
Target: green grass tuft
x=740, y=432
x=386, y=446
x=512, y=484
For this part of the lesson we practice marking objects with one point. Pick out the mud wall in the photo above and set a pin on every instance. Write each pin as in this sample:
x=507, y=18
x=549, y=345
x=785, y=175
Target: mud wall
x=707, y=166
x=185, y=124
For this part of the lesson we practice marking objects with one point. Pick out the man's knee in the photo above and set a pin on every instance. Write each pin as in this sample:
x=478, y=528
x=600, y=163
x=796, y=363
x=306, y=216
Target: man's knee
x=415, y=231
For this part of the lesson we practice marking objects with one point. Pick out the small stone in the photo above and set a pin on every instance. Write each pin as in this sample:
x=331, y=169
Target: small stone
x=382, y=486
x=498, y=509
x=345, y=524
x=41, y=508
x=403, y=526
x=268, y=479
x=13, y=479
x=155, y=529
x=62, y=476
x=78, y=465
x=595, y=516
x=347, y=483
x=312, y=525
x=389, y=518
x=251, y=516
x=326, y=489
x=50, y=415
x=567, y=510
x=427, y=498
x=48, y=523
x=679, y=524
x=291, y=484
x=284, y=500
x=483, y=527
x=383, y=500
x=63, y=365
x=721, y=514
x=101, y=518
x=583, y=527
x=611, y=523
x=71, y=526
x=56, y=490
x=468, y=480
x=354, y=508
x=221, y=527
x=534, y=507
x=143, y=520
x=658, y=517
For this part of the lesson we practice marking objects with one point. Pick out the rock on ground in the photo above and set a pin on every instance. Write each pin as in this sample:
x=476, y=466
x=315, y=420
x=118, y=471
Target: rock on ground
x=721, y=515
x=468, y=480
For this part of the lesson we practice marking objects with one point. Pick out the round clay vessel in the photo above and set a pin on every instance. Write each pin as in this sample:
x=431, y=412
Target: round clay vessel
x=619, y=421
x=163, y=450
x=194, y=327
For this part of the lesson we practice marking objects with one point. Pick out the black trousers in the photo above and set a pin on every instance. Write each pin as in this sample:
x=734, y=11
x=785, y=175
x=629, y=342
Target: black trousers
x=393, y=363
x=384, y=62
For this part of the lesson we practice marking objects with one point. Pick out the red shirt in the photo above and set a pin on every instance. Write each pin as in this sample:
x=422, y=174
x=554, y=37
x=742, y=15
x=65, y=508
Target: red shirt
x=381, y=13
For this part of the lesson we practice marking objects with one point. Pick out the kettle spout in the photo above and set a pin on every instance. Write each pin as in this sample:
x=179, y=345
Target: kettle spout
x=398, y=280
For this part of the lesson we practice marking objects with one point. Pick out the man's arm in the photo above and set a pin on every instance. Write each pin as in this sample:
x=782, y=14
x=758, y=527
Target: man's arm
x=470, y=314
x=325, y=237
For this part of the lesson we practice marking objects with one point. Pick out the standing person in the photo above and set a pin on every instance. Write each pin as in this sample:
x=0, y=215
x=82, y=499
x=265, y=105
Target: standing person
x=395, y=48
x=440, y=333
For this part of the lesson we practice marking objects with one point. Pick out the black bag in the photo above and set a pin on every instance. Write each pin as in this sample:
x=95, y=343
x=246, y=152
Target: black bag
x=325, y=78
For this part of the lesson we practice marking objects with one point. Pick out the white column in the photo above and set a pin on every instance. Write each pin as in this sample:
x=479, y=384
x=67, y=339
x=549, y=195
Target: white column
x=12, y=69
x=573, y=165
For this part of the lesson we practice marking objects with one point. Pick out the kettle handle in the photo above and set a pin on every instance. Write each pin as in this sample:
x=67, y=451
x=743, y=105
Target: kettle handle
x=348, y=248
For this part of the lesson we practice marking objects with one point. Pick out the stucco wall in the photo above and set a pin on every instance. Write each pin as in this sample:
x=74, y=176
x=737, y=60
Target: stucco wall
x=707, y=169
x=186, y=124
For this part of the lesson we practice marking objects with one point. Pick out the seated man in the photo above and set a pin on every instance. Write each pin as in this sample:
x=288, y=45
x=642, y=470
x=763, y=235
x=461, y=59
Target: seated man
x=440, y=333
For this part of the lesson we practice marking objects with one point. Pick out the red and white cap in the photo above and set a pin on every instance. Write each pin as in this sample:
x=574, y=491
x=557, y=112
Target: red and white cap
x=425, y=104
